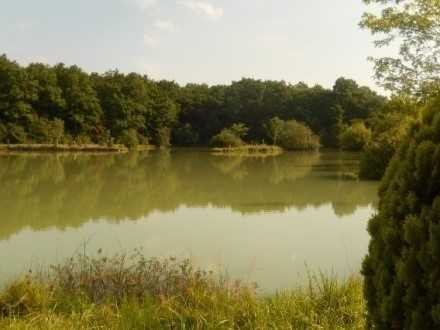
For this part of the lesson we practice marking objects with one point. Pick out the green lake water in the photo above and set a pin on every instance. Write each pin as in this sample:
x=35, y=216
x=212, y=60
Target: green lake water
x=264, y=220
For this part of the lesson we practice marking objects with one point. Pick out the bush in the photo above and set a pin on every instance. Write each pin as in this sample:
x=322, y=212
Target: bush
x=296, y=136
x=375, y=159
x=401, y=270
x=230, y=137
x=355, y=137
x=390, y=127
x=226, y=139
x=378, y=152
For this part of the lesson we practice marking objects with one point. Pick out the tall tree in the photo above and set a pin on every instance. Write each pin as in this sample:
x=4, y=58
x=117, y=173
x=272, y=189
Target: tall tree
x=17, y=92
x=82, y=112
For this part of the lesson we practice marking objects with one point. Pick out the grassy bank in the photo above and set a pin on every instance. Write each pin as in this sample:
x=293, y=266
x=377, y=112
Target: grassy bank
x=134, y=293
x=68, y=148
x=253, y=150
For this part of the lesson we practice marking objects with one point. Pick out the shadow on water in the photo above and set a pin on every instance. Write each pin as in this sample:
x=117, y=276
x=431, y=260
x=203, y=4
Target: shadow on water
x=40, y=191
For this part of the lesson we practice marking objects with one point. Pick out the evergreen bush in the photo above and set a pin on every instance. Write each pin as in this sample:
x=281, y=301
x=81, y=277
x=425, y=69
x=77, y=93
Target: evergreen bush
x=402, y=268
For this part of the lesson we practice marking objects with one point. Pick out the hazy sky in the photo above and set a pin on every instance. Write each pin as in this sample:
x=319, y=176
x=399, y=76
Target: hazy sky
x=212, y=41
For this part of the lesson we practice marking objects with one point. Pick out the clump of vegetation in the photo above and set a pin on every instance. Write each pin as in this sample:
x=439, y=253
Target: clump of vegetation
x=230, y=137
x=355, y=136
x=389, y=129
x=135, y=293
x=291, y=135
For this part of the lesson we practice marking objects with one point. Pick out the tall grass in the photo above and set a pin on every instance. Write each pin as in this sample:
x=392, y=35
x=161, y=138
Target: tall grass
x=131, y=292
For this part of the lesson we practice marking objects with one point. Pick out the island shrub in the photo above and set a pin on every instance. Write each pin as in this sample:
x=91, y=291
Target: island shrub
x=230, y=137
x=355, y=136
x=401, y=270
x=291, y=135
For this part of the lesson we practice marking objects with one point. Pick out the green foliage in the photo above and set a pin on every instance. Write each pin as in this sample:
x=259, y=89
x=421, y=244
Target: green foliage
x=401, y=269
x=185, y=135
x=229, y=137
x=355, y=137
x=389, y=129
x=129, y=138
x=82, y=113
x=331, y=135
x=274, y=129
x=291, y=135
x=100, y=108
x=415, y=25
x=43, y=130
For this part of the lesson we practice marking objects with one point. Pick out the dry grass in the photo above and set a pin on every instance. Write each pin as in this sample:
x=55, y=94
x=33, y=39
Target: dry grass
x=130, y=292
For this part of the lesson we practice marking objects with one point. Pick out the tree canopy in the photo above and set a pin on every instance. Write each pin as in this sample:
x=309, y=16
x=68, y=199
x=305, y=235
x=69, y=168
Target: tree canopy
x=43, y=104
x=414, y=26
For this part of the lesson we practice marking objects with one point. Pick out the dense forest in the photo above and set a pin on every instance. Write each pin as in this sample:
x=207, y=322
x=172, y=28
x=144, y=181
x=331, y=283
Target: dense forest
x=60, y=104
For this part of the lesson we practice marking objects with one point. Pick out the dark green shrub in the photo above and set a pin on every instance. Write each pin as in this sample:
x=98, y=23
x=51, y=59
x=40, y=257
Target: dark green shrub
x=185, y=135
x=402, y=268
x=378, y=152
x=375, y=159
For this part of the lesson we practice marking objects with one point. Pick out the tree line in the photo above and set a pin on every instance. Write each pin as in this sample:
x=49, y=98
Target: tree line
x=64, y=104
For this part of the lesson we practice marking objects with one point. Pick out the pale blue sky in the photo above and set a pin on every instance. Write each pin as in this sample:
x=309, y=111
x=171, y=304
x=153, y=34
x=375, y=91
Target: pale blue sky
x=212, y=41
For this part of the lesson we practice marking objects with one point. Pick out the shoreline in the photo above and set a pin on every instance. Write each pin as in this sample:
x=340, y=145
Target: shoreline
x=95, y=148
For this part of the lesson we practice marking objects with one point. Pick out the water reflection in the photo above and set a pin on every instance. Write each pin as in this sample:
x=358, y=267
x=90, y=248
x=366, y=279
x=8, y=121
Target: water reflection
x=47, y=190
x=261, y=219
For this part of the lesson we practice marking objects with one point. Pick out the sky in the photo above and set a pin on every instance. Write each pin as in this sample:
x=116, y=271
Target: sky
x=198, y=41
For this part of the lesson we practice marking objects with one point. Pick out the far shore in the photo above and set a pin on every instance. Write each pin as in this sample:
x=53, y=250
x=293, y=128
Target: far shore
x=116, y=148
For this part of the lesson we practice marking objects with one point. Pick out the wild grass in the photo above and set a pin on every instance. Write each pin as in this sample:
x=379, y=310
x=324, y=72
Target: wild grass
x=131, y=292
x=251, y=150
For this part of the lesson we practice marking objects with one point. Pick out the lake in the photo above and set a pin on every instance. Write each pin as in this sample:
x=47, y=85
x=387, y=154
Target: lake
x=264, y=220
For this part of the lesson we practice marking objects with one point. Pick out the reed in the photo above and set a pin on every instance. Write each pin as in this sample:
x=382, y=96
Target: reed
x=251, y=150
